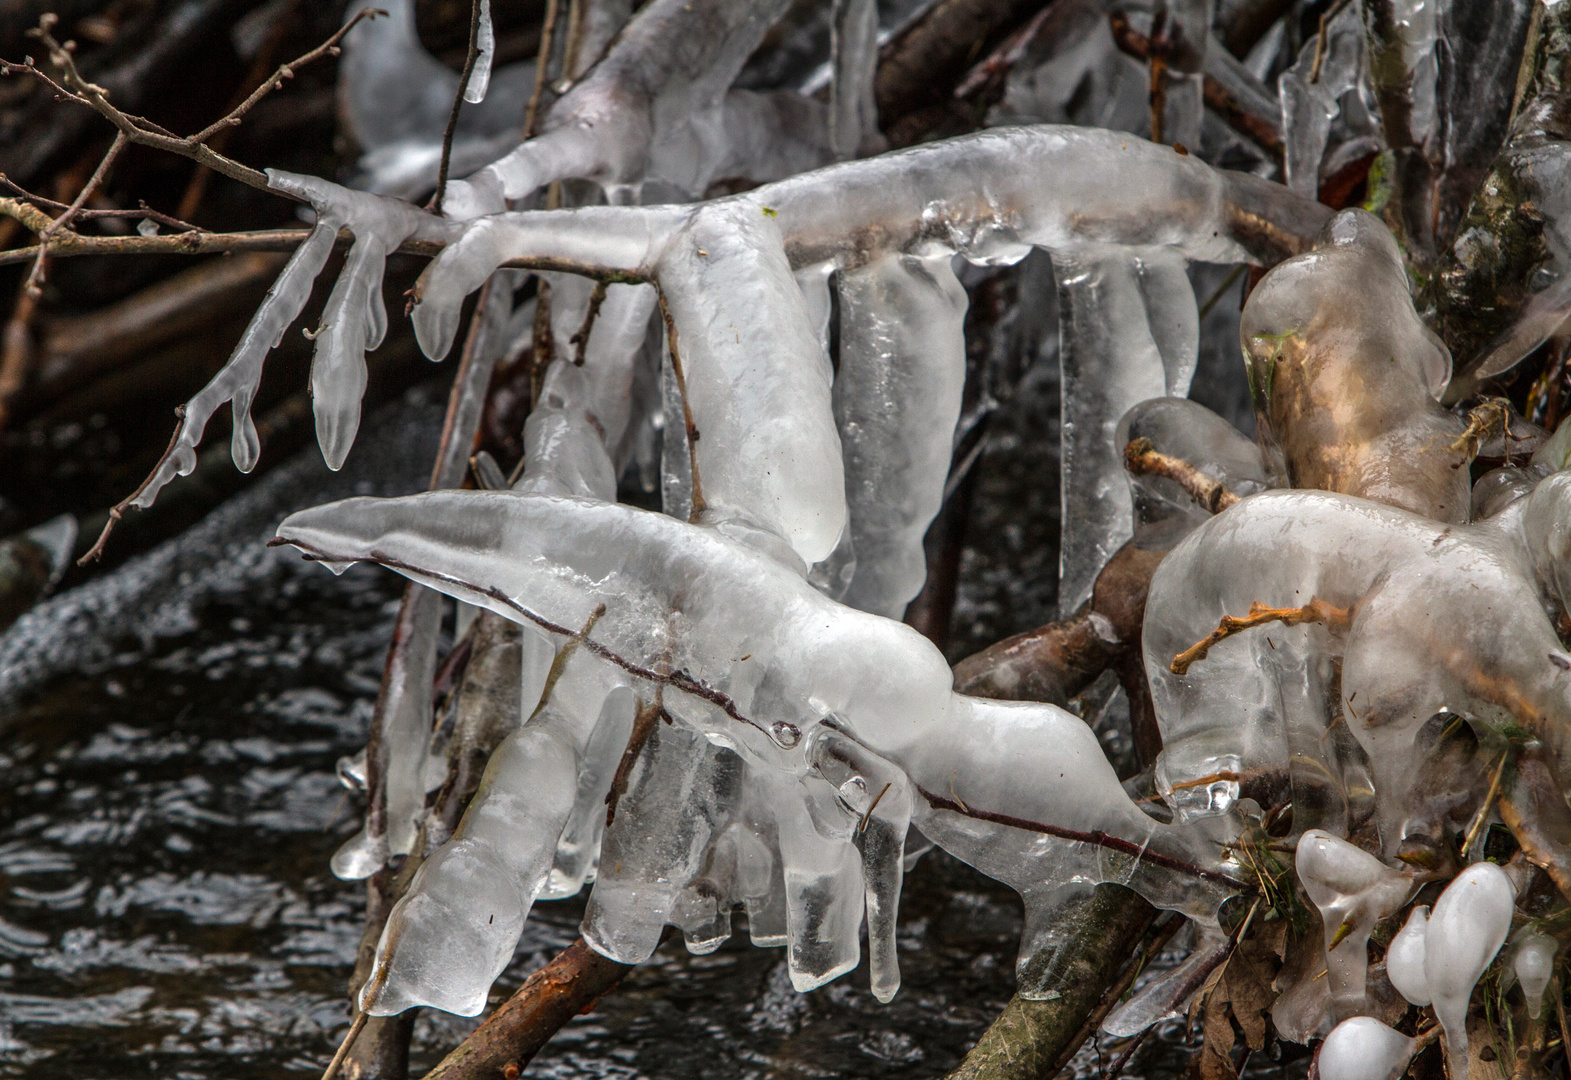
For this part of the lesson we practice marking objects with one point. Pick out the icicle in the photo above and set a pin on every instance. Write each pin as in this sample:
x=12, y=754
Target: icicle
x=1310, y=98
x=1362, y=1048
x=1185, y=105
x=1535, y=966
x=853, y=114
x=1353, y=890
x=485, y=44
x=1466, y=929
x=897, y=398
x=1405, y=958
x=1128, y=331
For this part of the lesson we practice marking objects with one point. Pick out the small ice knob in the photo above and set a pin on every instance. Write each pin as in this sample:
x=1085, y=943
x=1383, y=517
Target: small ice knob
x=1535, y=963
x=1405, y=958
x=1466, y=930
x=1365, y=1049
x=1353, y=890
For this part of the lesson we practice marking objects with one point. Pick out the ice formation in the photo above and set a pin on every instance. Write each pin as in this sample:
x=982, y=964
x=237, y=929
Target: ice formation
x=1534, y=966
x=1362, y=1048
x=1353, y=890
x=821, y=705
x=1405, y=957
x=1468, y=926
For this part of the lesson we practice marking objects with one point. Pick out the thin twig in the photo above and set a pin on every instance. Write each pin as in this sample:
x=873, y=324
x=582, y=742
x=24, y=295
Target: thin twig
x=36, y=277
x=96, y=552
x=1143, y=459
x=687, y=409
x=1320, y=42
x=1316, y=611
x=1139, y=852
x=563, y=655
x=1479, y=818
x=542, y=62
x=581, y=339
x=284, y=72
x=1227, y=283
x=643, y=727
x=83, y=214
x=344, y=1047
x=451, y=130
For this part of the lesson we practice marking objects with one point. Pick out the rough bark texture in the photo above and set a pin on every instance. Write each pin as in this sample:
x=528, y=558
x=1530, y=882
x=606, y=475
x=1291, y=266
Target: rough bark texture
x=549, y=998
x=1030, y=1037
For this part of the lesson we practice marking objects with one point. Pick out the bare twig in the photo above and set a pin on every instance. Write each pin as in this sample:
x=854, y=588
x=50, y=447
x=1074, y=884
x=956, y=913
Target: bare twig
x=1143, y=459
x=1316, y=611
x=1326, y=18
x=643, y=726
x=117, y=511
x=143, y=211
x=343, y=1047
x=1138, y=852
x=581, y=339
x=542, y=62
x=36, y=276
x=458, y=103
x=687, y=411
x=284, y=72
x=1482, y=816
x=16, y=349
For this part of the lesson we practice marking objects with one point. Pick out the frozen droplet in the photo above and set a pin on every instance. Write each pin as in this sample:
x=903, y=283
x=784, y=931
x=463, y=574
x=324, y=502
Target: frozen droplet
x=786, y=735
x=1535, y=963
x=1362, y=1048
x=1466, y=929
x=1353, y=890
x=1405, y=958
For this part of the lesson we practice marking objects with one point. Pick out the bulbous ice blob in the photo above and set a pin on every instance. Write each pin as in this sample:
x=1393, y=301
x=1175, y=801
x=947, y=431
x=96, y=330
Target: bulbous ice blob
x=1534, y=966
x=1405, y=958
x=1353, y=890
x=1467, y=928
x=1362, y=1048
x=1347, y=378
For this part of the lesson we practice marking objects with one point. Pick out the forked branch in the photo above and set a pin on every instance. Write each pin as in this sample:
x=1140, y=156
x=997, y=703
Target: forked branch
x=1316, y=611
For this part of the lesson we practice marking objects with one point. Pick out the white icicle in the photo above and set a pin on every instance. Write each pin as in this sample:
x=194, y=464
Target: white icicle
x=1405, y=958
x=1466, y=929
x=1362, y=1048
x=1534, y=967
x=853, y=115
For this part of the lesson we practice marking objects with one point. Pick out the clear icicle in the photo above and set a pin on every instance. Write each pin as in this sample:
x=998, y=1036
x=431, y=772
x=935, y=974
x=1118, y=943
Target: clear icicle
x=1310, y=99
x=1116, y=315
x=897, y=398
x=1469, y=924
x=853, y=115
x=1362, y=1048
x=485, y=47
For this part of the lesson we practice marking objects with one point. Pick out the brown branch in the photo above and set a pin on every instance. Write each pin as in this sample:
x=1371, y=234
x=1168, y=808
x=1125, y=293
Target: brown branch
x=581, y=339
x=36, y=276
x=1098, y=838
x=643, y=727
x=1143, y=459
x=542, y=62
x=16, y=349
x=1316, y=611
x=1265, y=135
x=118, y=510
x=451, y=130
x=512, y=1035
x=83, y=214
x=564, y=654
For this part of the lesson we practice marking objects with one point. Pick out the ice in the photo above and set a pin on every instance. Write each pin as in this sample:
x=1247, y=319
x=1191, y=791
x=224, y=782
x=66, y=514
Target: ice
x=1128, y=331
x=1535, y=966
x=1190, y=33
x=896, y=401
x=1347, y=378
x=1362, y=1048
x=822, y=705
x=395, y=98
x=1352, y=890
x=1466, y=929
x=455, y=929
x=485, y=50
x=353, y=320
x=853, y=115
x=1236, y=712
x=1405, y=958
x=1310, y=103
